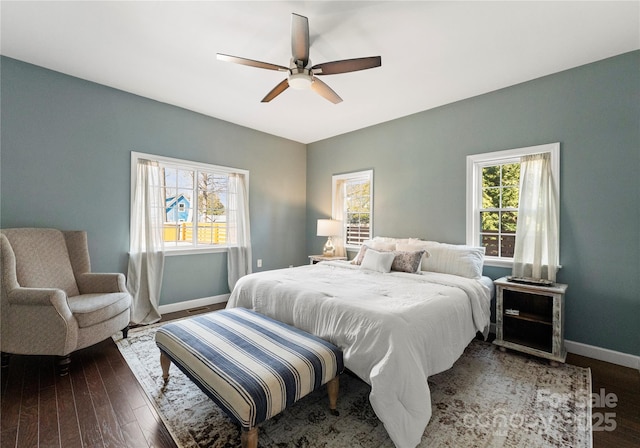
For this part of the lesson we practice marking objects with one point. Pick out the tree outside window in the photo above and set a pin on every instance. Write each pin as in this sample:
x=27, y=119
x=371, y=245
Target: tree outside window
x=499, y=212
x=353, y=205
x=209, y=189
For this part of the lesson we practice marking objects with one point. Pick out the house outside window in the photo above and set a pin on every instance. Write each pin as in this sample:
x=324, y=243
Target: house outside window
x=493, y=187
x=196, y=197
x=353, y=205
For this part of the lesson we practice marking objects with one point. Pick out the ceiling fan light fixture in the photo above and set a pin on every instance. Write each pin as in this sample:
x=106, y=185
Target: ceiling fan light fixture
x=300, y=81
x=302, y=74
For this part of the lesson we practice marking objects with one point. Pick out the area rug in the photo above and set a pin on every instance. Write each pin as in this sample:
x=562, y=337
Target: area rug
x=487, y=399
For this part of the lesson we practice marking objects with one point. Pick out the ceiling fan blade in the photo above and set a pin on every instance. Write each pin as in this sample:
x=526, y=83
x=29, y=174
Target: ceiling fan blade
x=277, y=90
x=300, y=38
x=251, y=62
x=325, y=91
x=346, y=65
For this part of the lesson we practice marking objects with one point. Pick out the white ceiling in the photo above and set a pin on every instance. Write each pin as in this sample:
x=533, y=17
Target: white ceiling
x=433, y=53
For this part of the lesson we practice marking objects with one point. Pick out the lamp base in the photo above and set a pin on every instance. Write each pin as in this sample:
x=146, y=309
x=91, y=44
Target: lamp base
x=328, y=250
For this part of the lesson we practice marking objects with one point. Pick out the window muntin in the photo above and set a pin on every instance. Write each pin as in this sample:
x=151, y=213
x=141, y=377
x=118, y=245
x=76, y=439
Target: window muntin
x=499, y=208
x=493, y=181
x=353, y=205
x=196, y=204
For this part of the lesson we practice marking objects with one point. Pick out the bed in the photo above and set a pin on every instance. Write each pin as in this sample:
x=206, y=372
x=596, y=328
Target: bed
x=395, y=328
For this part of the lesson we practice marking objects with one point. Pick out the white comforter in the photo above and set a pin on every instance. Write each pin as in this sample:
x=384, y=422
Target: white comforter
x=395, y=329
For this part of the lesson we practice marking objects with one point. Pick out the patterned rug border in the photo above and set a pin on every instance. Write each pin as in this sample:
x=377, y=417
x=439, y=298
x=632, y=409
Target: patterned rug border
x=133, y=331
x=503, y=434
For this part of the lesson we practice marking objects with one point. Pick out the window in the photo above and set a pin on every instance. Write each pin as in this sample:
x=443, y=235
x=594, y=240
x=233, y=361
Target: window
x=493, y=190
x=196, y=198
x=352, y=204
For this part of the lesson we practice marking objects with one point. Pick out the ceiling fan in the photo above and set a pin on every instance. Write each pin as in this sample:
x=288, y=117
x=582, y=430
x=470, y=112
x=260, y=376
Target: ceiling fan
x=301, y=76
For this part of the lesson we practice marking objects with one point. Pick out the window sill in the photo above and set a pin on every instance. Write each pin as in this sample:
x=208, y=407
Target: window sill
x=498, y=262
x=502, y=262
x=196, y=251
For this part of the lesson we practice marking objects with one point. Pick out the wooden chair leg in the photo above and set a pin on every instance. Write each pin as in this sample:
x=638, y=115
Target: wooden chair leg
x=125, y=332
x=165, y=363
x=62, y=364
x=249, y=438
x=333, y=388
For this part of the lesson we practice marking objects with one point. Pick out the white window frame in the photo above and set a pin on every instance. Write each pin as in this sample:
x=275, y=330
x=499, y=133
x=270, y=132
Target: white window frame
x=187, y=165
x=356, y=175
x=475, y=163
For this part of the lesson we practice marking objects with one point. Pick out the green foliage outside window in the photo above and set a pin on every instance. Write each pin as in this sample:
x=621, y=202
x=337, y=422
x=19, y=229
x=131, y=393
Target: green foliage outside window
x=358, y=202
x=499, y=213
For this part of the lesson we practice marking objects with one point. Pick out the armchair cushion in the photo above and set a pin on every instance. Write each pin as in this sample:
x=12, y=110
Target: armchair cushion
x=93, y=283
x=92, y=309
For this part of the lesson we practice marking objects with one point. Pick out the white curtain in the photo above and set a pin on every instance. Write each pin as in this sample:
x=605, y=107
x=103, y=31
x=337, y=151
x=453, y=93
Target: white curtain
x=239, y=259
x=146, y=248
x=338, y=215
x=536, y=248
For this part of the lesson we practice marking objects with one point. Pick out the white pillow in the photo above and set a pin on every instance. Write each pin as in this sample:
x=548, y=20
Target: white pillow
x=414, y=246
x=377, y=261
x=388, y=239
x=465, y=261
x=380, y=245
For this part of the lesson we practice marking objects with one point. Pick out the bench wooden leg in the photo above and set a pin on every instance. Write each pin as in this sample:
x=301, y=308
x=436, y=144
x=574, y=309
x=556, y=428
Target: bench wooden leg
x=165, y=363
x=333, y=387
x=249, y=438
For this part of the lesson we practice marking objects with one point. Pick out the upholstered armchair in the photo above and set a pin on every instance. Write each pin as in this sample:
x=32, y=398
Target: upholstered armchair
x=51, y=303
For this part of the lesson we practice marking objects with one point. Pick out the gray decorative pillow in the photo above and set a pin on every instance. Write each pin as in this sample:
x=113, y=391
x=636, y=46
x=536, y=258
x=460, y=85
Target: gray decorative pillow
x=407, y=261
x=358, y=258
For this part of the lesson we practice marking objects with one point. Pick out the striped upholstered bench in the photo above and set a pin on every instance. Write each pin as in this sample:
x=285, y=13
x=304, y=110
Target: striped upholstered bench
x=252, y=366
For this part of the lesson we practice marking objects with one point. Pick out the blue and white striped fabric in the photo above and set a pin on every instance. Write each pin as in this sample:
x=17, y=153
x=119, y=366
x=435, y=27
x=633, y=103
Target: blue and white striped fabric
x=252, y=366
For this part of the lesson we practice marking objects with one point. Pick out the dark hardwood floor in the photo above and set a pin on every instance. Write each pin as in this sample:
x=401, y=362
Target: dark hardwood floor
x=613, y=426
x=101, y=404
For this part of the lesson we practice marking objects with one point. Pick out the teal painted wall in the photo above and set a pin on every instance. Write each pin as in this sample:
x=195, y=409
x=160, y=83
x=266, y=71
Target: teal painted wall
x=65, y=163
x=65, y=158
x=419, y=167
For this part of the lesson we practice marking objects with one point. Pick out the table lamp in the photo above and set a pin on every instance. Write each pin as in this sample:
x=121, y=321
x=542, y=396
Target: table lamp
x=329, y=228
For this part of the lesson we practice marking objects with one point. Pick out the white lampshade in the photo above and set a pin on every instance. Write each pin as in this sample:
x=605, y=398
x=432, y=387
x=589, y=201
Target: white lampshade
x=329, y=227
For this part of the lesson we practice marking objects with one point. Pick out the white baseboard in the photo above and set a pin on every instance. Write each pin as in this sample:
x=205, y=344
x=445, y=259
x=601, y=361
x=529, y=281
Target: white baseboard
x=603, y=354
x=195, y=303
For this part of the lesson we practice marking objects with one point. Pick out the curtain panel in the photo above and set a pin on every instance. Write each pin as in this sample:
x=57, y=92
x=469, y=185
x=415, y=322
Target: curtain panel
x=537, y=232
x=146, y=246
x=338, y=214
x=239, y=258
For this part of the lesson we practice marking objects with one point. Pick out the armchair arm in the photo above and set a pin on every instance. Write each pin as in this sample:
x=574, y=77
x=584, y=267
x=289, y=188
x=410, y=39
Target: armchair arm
x=39, y=322
x=42, y=297
x=94, y=283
